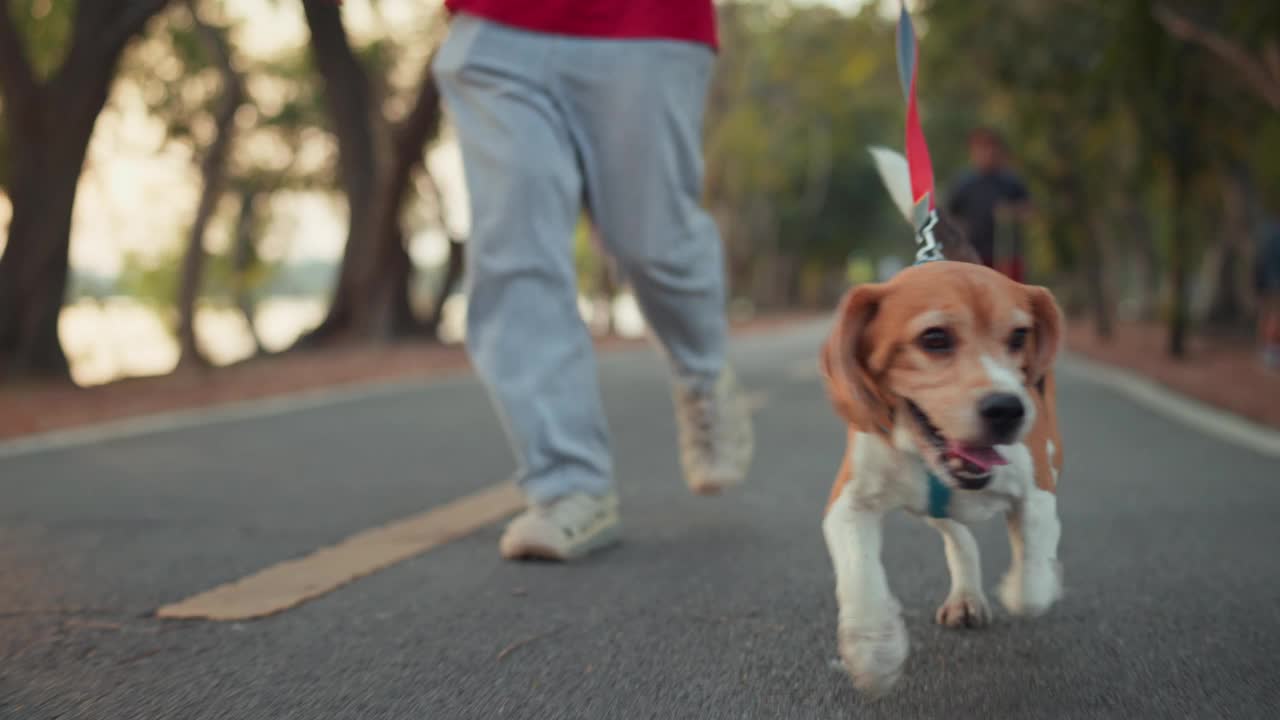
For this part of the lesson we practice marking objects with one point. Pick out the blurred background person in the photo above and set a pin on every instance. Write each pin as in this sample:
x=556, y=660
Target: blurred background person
x=990, y=202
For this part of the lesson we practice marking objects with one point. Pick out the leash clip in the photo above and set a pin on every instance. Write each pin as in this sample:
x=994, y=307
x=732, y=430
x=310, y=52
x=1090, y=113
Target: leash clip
x=929, y=250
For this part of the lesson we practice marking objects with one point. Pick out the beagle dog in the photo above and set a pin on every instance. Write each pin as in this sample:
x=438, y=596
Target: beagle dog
x=944, y=377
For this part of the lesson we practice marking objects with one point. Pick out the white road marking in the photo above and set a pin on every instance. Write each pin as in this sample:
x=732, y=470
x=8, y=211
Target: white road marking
x=1198, y=416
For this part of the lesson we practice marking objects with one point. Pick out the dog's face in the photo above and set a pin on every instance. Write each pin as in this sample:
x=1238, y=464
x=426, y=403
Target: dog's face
x=942, y=360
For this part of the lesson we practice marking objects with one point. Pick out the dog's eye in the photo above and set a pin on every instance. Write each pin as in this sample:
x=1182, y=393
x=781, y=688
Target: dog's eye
x=936, y=340
x=1018, y=339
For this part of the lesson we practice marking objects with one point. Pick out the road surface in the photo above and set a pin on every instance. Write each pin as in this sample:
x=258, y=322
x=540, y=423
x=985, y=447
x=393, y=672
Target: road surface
x=713, y=608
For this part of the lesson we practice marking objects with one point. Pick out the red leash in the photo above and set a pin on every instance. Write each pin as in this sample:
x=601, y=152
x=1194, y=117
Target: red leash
x=924, y=207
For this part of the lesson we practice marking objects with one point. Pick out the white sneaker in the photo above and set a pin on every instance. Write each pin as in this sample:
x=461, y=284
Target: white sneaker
x=716, y=439
x=567, y=528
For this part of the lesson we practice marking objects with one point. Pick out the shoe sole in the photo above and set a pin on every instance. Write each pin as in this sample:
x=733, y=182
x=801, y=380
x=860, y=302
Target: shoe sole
x=715, y=483
x=601, y=539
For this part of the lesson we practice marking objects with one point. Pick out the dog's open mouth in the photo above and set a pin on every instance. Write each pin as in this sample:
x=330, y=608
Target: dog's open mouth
x=970, y=465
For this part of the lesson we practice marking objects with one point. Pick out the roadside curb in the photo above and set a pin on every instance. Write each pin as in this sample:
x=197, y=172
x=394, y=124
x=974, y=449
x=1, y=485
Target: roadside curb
x=205, y=415
x=270, y=405
x=1151, y=395
x=1171, y=404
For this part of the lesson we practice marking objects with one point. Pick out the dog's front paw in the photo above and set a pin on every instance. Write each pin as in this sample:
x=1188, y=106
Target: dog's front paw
x=964, y=610
x=874, y=655
x=1034, y=591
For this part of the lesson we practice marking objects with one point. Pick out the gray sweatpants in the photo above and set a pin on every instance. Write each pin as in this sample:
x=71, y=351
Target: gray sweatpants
x=546, y=122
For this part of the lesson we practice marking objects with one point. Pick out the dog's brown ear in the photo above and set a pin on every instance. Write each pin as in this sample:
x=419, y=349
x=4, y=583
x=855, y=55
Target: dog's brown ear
x=1046, y=335
x=852, y=385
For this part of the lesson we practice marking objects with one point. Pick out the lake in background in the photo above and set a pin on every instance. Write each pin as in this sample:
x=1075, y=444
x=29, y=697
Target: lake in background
x=119, y=337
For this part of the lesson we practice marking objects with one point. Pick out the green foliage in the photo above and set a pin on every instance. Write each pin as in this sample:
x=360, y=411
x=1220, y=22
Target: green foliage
x=45, y=29
x=1102, y=107
x=152, y=278
x=1100, y=104
x=588, y=259
x=180, y=83
x=800, y=95
x=45, y=26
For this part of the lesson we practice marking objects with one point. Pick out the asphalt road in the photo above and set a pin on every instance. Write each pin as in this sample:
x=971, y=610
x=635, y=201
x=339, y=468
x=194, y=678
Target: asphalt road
x=713, y=608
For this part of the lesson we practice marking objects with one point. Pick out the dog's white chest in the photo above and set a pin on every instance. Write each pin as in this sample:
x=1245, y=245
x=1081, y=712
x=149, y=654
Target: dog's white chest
x=974, y=506
x=970, y=506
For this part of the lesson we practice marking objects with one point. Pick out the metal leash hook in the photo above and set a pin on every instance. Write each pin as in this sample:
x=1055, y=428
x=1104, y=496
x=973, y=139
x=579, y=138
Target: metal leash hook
x=930, y=250
x=920, y=167
x=909, y=179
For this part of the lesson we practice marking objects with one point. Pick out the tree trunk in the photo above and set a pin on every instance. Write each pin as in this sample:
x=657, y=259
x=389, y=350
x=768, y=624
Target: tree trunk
x=454, y=263
x=1185, y=158
x=33, y=269
x=1148, y=259
x=1099, y=305
x=48, y=154
x=608, y=291
x=452, y=275
x=49, y=124
x=352, y=110
x=1228, y=307
x=389, y=285
x=1096, y=279
x=1225, y=310
x=371, y=296
x=1258, y=73
x=213, y=174
x=243, y=256
x=740, y=261
x=1179, y=311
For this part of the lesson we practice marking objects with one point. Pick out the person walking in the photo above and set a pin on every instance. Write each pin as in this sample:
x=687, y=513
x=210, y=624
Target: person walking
x=989, y=202
x=559, y=104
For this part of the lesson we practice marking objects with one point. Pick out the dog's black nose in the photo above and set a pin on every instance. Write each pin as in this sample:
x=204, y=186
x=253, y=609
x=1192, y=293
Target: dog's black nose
x=1003, y=413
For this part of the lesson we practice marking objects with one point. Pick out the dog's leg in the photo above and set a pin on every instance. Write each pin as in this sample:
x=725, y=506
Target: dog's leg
x=872, y=636
x=1034, y=581
x=966, y=605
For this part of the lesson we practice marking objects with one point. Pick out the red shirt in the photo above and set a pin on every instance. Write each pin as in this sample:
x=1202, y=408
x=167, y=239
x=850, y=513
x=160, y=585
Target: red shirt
x=688, y=20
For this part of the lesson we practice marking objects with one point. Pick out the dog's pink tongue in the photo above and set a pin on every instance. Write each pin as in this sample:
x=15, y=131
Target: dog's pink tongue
x=984, y=457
